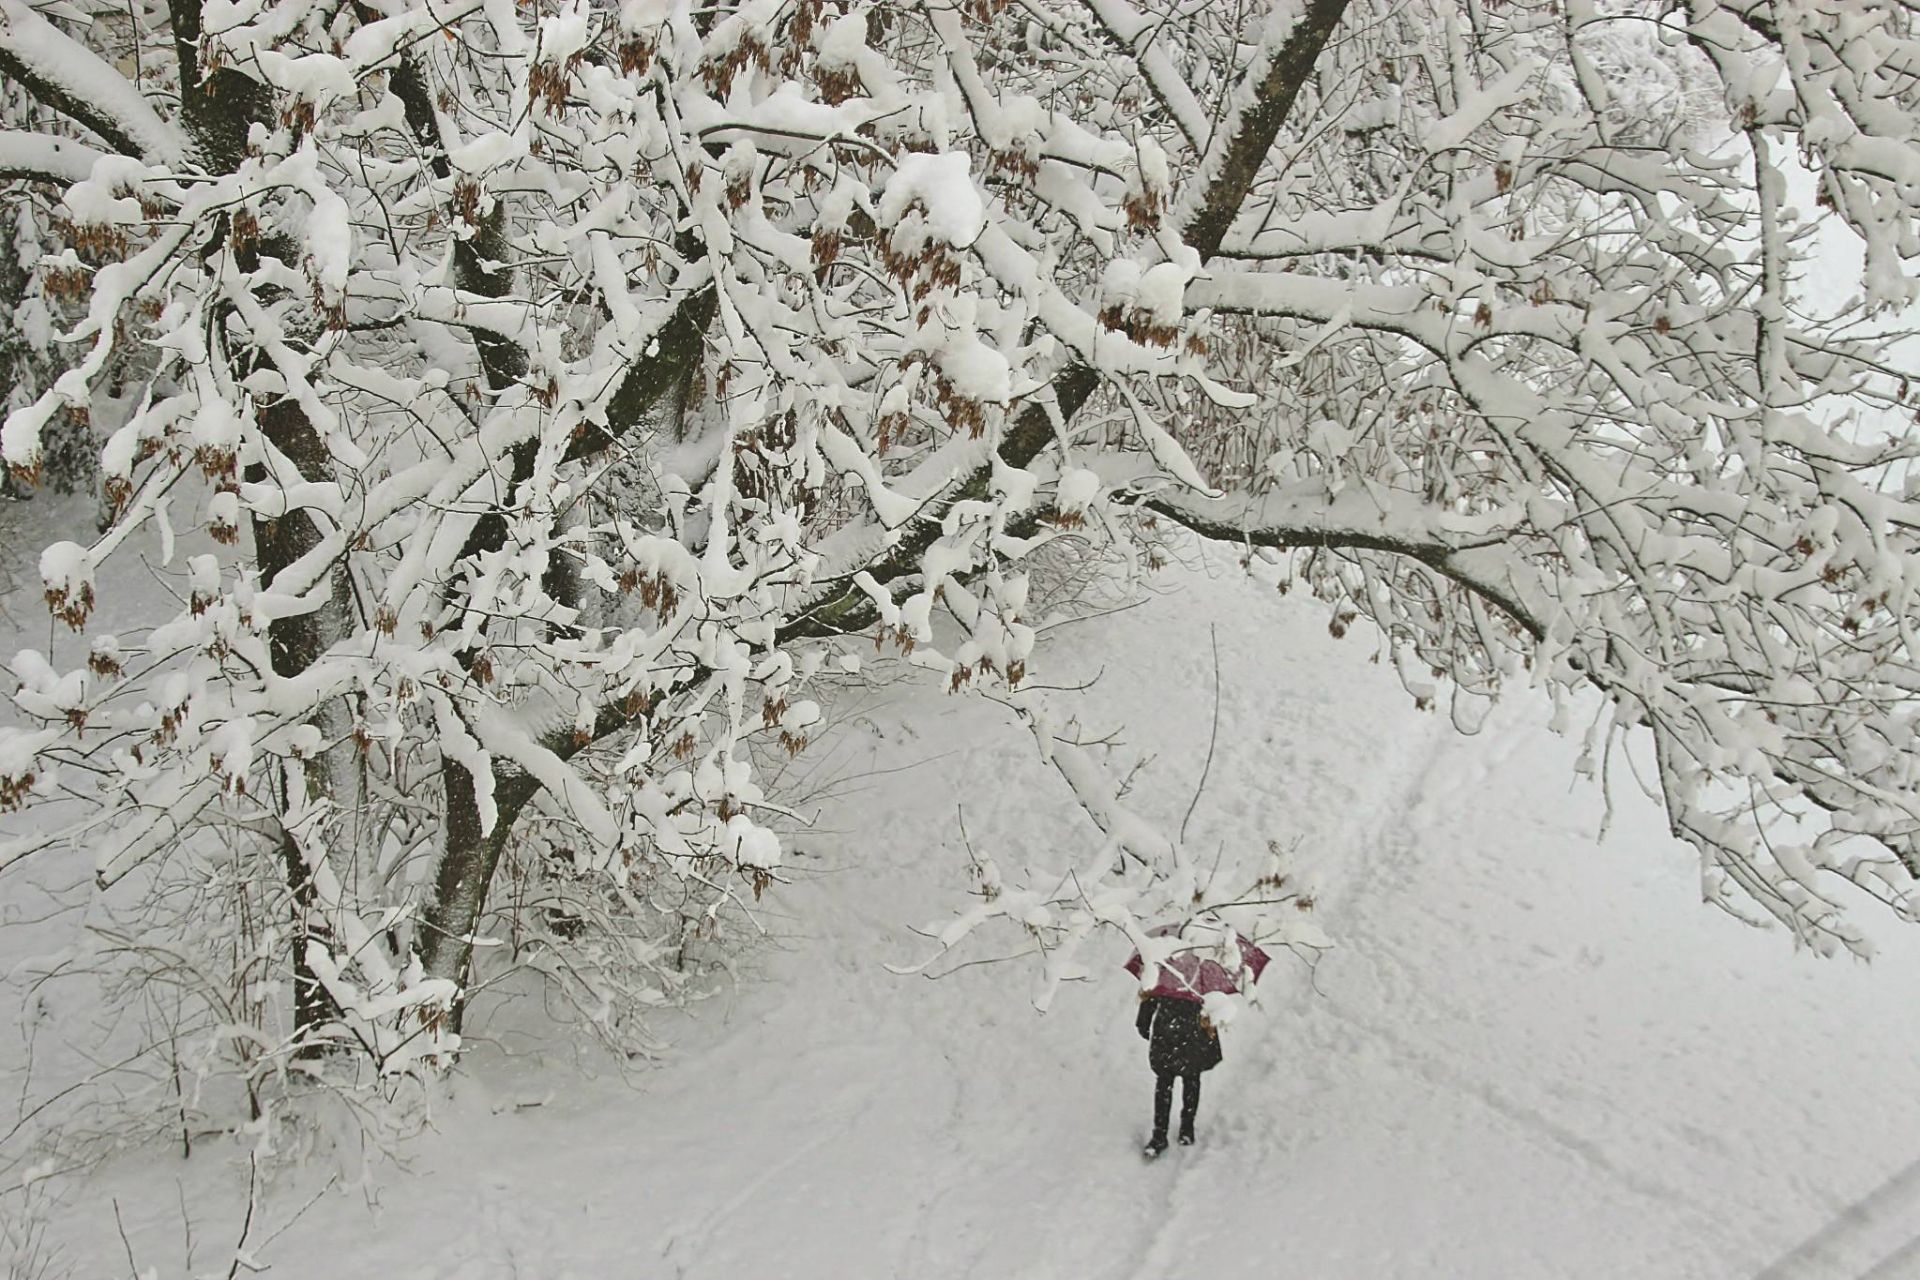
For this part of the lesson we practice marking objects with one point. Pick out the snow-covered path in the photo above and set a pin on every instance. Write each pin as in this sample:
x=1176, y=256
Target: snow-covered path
x=1530, y=1055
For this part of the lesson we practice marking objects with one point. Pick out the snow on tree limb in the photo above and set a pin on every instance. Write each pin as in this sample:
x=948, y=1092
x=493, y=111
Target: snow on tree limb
x=1140, y=36
x=1476, y=552
x=65, y=75
x=44, y=158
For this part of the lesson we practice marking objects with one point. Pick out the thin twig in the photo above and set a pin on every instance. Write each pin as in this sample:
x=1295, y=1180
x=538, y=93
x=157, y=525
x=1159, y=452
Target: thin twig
x=133, y=1268
x=302, y=1211
x=968, y=964
x=246, y=1226
x=1053, y=624
x=960, y=820
x=1212, y=737
x=186, y=1222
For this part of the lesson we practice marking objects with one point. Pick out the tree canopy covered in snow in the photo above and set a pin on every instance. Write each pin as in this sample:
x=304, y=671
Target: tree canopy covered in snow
x=560, y=383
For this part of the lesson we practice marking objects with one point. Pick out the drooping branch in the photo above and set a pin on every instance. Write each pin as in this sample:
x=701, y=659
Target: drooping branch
x=1308, y=516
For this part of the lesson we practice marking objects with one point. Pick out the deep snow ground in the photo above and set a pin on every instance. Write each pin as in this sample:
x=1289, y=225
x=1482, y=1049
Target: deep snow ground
x=1531, y=1053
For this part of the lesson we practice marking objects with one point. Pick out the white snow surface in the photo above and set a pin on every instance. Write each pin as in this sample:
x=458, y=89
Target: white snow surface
x=1531, y=1053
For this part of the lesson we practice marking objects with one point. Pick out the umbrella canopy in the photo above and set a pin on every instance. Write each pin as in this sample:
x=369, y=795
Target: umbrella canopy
x=1195, y=970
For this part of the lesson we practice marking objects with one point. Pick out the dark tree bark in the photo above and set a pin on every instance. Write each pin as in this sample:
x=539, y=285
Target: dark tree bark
x=469, y=856
x=217, y=108
x=1285, y=75
x=293, y=645
x=217, y=112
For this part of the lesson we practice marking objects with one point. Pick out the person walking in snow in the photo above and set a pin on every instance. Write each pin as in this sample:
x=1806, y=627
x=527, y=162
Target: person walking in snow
x=1180, y=1044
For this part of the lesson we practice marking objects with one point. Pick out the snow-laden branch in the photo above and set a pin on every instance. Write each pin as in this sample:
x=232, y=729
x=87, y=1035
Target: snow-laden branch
x=42, y=157
x=65, y=75
x=1478, y=552
x=1139, y=36
x=554, y=388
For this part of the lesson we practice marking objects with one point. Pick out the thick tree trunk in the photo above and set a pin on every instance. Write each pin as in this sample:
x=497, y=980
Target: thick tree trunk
x=313, y=1006
x=293, y=645
x=1287, y=71
x=468, y=855
x=467, y=863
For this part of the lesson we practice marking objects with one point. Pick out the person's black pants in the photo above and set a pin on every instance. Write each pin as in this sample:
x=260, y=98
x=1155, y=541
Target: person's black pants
x=1163, y=1104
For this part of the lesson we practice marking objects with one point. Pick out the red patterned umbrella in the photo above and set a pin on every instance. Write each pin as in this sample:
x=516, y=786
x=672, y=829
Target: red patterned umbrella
x=1196, y=969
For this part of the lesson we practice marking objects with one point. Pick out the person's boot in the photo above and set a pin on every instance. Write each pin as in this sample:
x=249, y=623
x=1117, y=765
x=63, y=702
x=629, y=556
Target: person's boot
x=1155, y=1145
x=1189, y=1108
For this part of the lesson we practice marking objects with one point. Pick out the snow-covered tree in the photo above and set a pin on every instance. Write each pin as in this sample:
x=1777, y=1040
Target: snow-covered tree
x=559, y=382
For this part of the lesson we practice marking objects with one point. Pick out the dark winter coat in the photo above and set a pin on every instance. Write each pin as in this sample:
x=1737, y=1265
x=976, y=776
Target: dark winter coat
x=1179, y=1042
